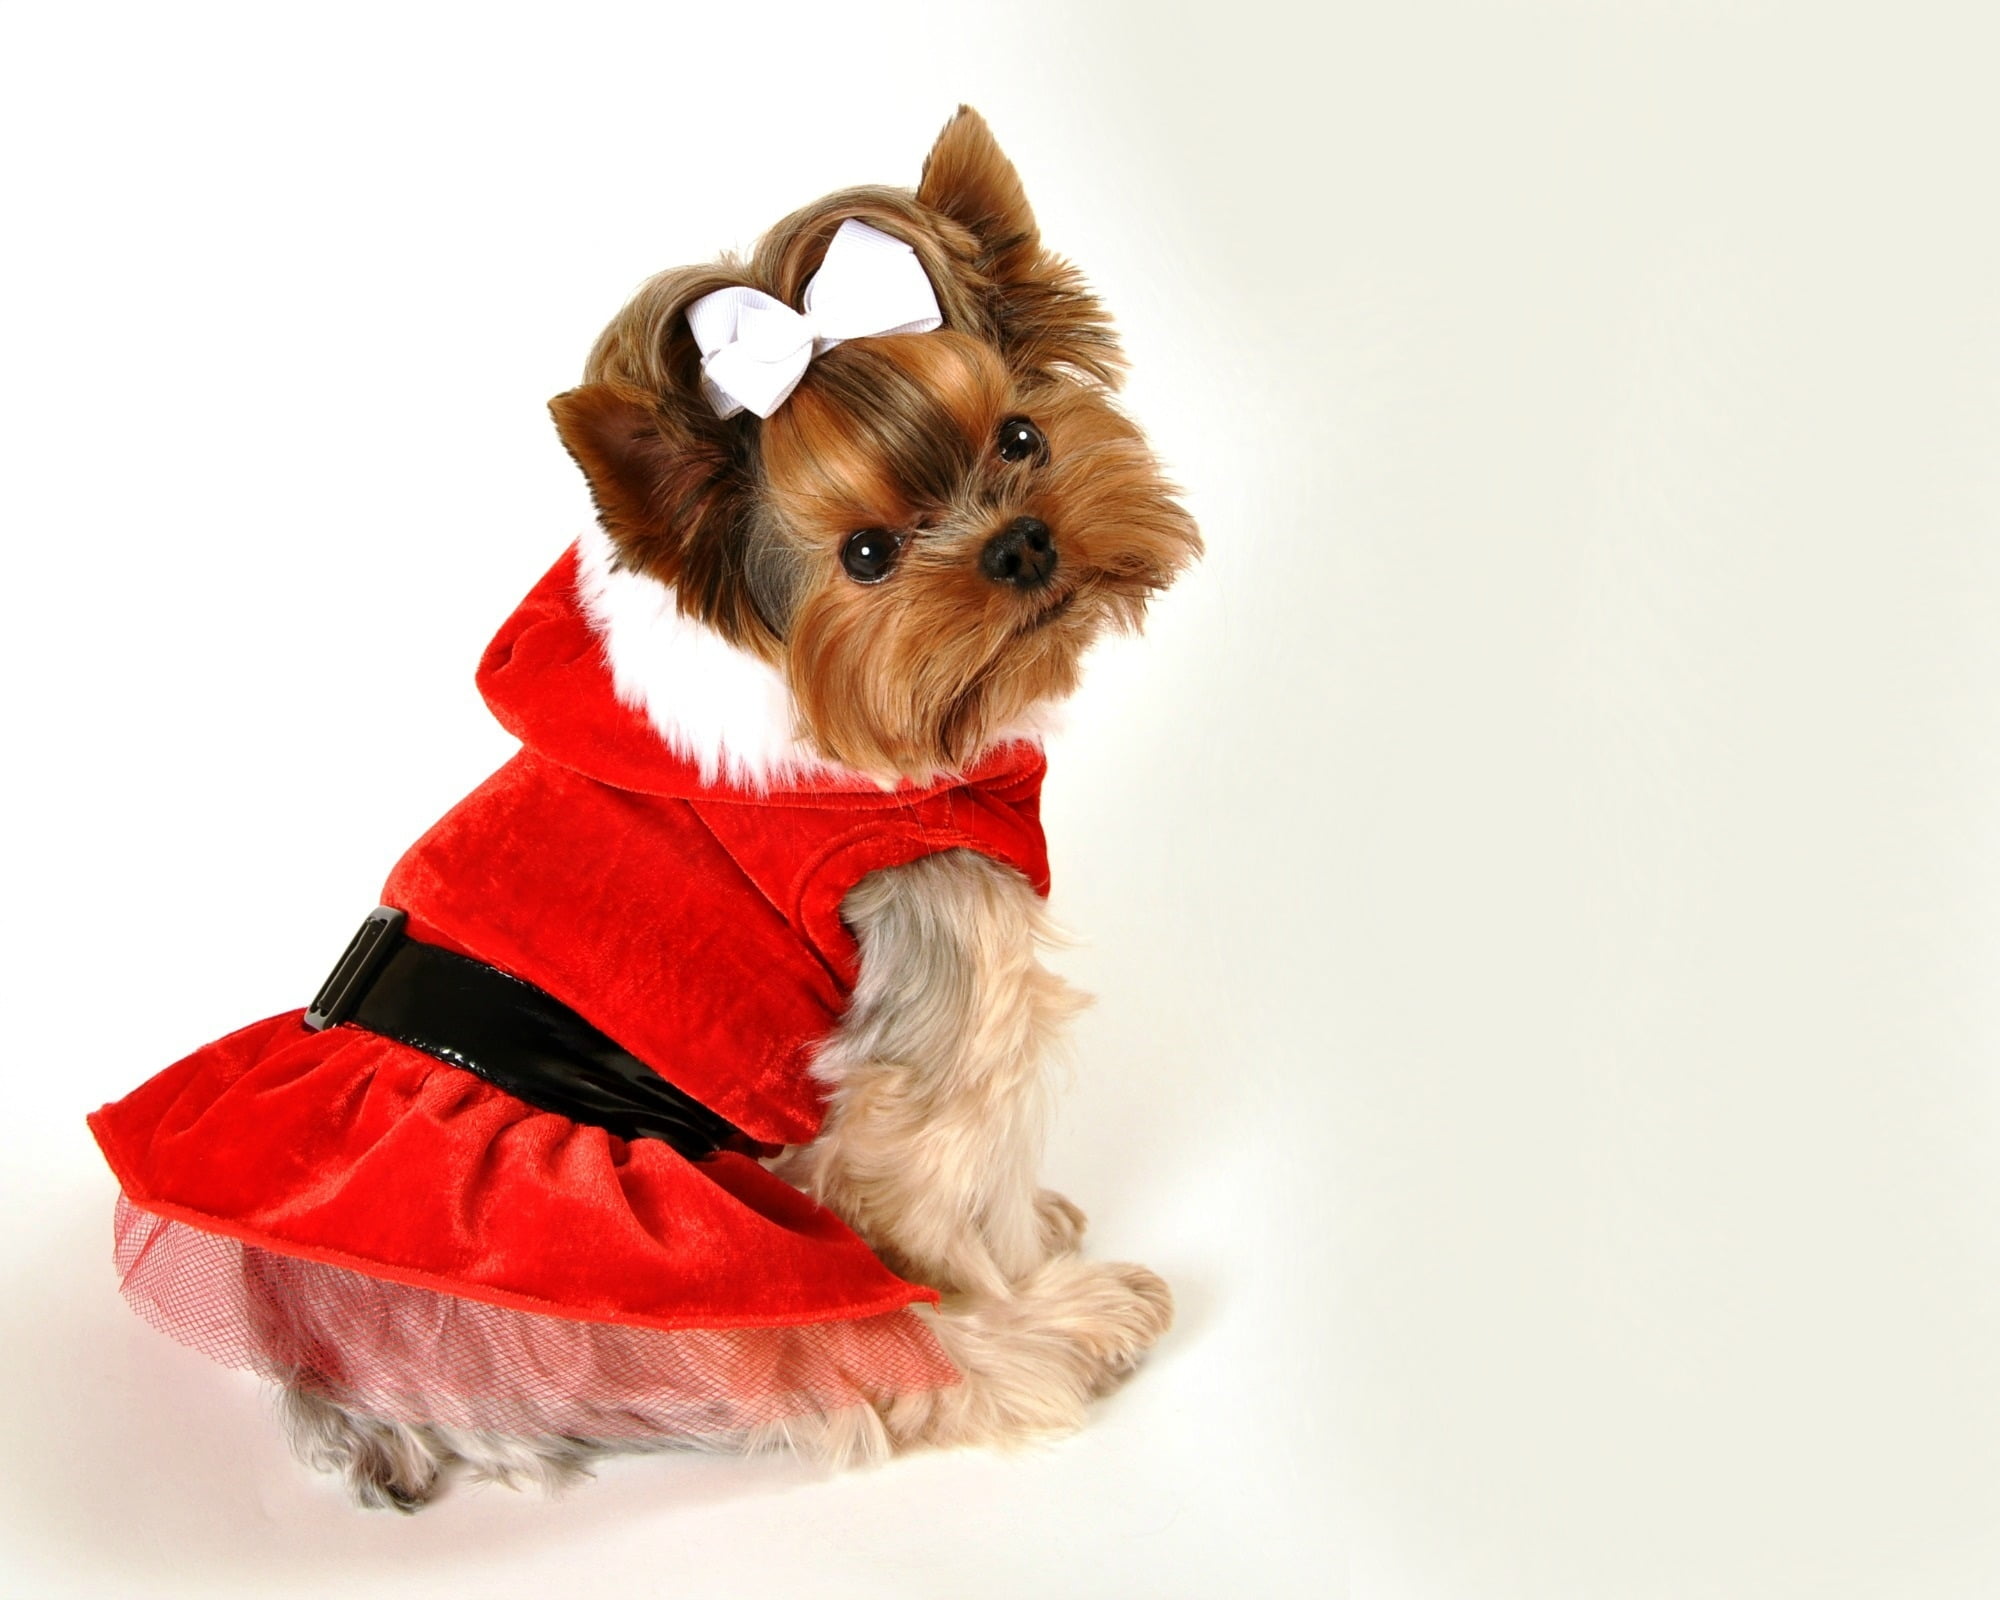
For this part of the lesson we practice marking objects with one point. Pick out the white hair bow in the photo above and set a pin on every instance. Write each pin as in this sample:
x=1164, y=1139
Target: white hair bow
x=755, y=348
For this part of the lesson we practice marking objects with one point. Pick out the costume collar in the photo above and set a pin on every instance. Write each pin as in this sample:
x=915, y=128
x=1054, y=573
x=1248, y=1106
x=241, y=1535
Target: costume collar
x=547, y=677
x=725, y=709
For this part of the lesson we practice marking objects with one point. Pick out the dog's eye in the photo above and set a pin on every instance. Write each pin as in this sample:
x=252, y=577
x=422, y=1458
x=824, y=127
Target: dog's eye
x=869, y=554
x=1021, y=440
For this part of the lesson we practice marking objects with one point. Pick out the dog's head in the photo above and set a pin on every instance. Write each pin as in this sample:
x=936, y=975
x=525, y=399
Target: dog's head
x=923, y=537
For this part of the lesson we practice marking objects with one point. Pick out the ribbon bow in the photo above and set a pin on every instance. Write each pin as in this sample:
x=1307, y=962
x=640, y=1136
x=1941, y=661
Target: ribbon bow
x=755, y=348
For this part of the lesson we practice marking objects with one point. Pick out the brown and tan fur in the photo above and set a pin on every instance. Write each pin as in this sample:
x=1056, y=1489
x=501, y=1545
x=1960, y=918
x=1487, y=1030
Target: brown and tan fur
x=937, y=1075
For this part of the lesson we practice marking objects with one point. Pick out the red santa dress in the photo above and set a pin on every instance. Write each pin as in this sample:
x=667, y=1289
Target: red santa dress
x=344, y=1211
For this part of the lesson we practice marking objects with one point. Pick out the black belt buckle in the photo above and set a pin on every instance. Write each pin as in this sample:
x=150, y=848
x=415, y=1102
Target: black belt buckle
x=373, y=943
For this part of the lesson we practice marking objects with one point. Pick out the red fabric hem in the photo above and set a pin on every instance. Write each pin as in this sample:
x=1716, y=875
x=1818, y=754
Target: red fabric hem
x=136, y=1193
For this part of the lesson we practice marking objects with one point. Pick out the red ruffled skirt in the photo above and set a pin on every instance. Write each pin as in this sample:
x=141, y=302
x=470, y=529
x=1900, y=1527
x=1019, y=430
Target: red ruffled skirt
x=341, y=1211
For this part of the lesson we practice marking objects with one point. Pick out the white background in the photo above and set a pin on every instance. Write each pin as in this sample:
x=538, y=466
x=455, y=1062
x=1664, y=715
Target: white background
x=1542, y=872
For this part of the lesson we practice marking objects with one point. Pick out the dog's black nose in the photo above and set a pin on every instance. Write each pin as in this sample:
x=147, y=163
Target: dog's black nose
x=1023, y=553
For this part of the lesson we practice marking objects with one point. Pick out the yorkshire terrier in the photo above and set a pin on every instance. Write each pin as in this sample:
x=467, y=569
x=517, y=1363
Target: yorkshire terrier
x=688, y=1088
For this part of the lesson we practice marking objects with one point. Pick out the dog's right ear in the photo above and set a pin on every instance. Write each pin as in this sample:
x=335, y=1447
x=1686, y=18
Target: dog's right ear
x=1046, y=318
x=671, y=491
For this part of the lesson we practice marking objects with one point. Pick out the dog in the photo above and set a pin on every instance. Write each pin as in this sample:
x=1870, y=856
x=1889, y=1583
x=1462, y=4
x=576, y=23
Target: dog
x=687, y=1089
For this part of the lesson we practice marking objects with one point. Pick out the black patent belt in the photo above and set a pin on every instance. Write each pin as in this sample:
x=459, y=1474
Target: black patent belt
x=515, y=1036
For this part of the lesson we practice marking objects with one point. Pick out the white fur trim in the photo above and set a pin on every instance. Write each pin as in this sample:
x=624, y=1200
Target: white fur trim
x=715, y=705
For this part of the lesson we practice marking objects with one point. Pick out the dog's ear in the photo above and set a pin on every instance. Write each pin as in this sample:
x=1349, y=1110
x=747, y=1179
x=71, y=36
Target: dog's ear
x=671, y=491
x=969, y=179
x=1045, y=318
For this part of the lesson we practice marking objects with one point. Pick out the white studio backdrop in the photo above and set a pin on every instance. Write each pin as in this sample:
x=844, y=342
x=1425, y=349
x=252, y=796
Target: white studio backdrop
x=1541, y=873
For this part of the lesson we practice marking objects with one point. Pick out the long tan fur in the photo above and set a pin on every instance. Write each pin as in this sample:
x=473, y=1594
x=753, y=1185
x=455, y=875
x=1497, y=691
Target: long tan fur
x=939, y=1099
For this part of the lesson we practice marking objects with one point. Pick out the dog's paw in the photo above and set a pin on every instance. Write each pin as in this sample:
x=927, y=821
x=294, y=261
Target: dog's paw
x=387, y=1466
x=1117, y=1312
x=1062, y=1224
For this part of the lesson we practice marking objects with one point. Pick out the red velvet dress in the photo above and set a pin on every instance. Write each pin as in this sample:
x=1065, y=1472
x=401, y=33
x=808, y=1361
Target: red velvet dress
x=344, y=1211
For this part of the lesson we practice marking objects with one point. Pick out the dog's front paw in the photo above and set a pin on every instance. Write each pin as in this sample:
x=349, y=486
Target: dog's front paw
x=1062, y=1223
x=1119, y=1311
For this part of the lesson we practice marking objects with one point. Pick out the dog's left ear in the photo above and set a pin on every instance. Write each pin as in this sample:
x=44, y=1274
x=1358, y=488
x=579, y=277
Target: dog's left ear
x=671, y=493
x=1045, y=318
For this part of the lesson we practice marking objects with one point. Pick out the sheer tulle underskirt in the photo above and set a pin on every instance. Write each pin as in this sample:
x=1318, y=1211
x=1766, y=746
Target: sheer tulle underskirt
x=417, y=1355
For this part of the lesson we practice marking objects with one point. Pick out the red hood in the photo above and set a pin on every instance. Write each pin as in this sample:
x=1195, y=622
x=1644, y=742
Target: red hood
x=546, y=678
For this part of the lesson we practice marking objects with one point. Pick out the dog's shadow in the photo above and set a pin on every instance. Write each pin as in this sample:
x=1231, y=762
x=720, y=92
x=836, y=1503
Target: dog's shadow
x=132, y=1456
